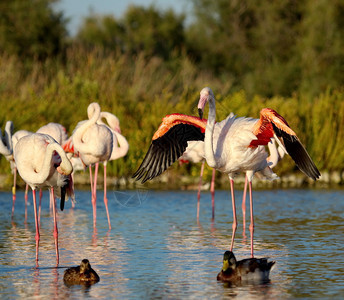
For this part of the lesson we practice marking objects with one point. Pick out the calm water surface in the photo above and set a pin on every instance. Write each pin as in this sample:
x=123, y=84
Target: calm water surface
x=157, y=249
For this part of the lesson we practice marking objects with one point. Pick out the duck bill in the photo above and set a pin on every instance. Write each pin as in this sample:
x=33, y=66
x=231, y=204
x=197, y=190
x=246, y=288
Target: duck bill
x=225, y=265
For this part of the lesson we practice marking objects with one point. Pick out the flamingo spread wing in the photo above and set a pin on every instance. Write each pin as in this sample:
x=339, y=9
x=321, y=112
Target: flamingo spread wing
x=169, y=143
x=271, y=123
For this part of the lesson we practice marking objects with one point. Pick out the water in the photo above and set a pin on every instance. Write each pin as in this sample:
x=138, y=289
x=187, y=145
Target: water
x=156, y=248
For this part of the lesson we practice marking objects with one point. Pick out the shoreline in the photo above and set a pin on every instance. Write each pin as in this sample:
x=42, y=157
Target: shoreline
x=168, y=181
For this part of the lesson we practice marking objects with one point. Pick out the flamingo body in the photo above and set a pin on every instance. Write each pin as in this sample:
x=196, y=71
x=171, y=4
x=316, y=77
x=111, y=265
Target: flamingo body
x=41, y=162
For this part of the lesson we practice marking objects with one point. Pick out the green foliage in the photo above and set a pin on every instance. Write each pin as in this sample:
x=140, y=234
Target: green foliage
x=285, y=55
x=31, y=29
x=143, y=91
x=141, y=31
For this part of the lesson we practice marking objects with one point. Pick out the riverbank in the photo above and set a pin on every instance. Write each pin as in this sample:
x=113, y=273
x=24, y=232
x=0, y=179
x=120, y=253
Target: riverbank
x=168, y=181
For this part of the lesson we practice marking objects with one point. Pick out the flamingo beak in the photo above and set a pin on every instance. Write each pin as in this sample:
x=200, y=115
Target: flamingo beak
x=200, y=112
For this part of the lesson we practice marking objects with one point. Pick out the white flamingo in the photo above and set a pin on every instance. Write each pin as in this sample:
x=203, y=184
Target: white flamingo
x=41, y=162
x=236, y=145
x=7, y=145
x=57, y=131
x=232, y=146
x=93, y=143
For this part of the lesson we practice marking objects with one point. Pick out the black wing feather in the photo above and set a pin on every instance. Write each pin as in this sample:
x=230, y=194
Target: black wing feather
x=165, y=150
x=298, y=153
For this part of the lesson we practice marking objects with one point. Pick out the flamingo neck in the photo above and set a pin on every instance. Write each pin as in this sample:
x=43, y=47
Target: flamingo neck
x=209, y=133
x=122, y=149
x=93, y=112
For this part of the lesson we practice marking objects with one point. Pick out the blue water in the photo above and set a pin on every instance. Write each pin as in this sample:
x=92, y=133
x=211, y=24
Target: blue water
x=157, y=249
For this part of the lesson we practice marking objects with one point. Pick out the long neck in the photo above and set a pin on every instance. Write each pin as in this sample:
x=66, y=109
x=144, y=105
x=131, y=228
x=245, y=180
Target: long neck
x=93, y=114
x=122, y=149
x=209, y=133
x=43, y=173
x=65, y=166
x=4, y=147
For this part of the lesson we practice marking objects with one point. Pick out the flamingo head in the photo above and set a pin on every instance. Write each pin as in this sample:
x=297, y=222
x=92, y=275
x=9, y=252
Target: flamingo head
x=205, y=94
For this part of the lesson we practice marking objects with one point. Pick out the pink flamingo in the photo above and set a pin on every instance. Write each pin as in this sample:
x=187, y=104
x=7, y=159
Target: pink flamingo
x=232, y=146
x=41, y=162
x=195, y=153
x=93, y=143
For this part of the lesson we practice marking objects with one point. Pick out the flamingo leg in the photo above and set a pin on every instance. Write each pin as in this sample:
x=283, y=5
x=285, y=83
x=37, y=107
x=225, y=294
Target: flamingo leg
x=235, y=222
x=199, y=189
x=14, y=190
x=39, y=207
x=244, y=206
x=95, y=191
x=56, y=234
x=105, y=197
x=37, y=236
x=93, y=200
x=252, y=220
x=26, y=199
x=212, y=191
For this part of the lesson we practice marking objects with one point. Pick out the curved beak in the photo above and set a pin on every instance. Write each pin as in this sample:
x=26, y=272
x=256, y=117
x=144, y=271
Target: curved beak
x=200, y=112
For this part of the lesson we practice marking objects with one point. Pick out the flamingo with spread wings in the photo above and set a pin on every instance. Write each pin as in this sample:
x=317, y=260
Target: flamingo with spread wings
x=41, y=162
x=232, y=146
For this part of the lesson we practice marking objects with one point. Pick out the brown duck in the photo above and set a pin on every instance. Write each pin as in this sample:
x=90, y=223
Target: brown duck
x=250, y=269
x=82, y=274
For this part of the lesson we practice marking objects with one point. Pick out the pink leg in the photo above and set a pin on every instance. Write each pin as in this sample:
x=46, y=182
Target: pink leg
x=56, y=234
x=199, y=189
x=235, y=222
x=37, y=237
x=93, y=200
x=212, y=191
x=14, y=190
x=40, y=206
x=26, y=199
x=252, y=221
x=95, y=181
x=244, y=206
x=105, y=198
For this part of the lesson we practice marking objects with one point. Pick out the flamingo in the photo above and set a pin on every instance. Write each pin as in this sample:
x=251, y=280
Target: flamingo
x=238, y=146
x=120, y=148
x=59, y=133
x=231, y=146
x=41, y=162
x=195, y=154
x=7, y=145
x=93, y=143
x=56, y=131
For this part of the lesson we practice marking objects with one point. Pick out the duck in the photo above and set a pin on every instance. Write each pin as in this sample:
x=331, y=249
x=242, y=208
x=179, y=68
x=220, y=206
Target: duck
x=250, y=269
x=83, y=274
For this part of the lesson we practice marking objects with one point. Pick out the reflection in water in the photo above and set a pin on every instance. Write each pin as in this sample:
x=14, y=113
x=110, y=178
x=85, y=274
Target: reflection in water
x=156, y=248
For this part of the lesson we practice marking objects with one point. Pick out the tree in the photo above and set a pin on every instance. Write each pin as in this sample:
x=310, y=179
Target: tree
x=141, y=31
x=31, y=28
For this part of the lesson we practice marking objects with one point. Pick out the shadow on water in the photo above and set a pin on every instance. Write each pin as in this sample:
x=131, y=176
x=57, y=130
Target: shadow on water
x=157, y=249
